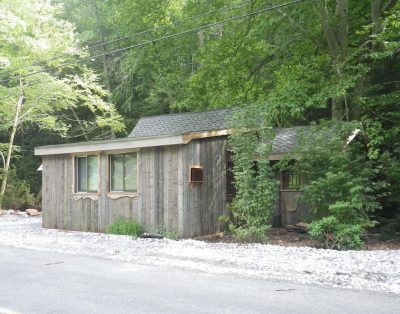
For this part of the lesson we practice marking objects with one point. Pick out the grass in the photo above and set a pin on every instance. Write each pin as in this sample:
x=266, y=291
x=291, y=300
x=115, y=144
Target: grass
x=125, y=227
x=167, y=234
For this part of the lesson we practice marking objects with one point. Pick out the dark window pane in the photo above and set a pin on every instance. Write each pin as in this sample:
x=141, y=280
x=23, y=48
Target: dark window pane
x=196, y=175
x=291, y=180
x=81, y=174
x=230, y=178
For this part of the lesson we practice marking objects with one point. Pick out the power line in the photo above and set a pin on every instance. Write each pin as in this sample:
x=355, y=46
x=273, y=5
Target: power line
x=125, y=37
x=173, y=24
x=155, y=40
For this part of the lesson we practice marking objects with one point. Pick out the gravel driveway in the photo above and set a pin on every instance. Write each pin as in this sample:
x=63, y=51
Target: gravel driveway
x=370, y=270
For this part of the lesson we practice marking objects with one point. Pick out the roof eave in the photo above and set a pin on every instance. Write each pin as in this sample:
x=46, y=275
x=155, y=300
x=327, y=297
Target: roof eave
x=108, y=145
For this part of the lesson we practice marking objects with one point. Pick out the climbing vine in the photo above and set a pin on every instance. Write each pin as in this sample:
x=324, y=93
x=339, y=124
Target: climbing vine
x=255, y=183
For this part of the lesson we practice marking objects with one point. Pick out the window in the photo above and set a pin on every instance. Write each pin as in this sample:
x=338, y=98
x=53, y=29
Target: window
x=291, y=180
x=196, y=174
x=123, y=173
x=230, y=178
x=87, y=174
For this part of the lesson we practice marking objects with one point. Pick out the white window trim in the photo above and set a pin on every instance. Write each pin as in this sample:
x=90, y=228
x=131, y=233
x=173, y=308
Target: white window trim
x=74, y=177
x=114, y=194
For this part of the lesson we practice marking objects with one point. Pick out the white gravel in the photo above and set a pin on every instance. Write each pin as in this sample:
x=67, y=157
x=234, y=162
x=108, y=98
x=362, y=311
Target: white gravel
x=370, y=270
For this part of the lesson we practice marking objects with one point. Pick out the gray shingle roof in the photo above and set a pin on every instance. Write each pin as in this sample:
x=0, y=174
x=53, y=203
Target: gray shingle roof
x=286, y=139
x=174, y=124
x=181, y=123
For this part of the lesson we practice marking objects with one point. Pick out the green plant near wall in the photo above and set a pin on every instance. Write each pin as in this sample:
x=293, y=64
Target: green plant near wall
x=342, y=189
x=169, y=234
x=125, y=227
x=255, y=183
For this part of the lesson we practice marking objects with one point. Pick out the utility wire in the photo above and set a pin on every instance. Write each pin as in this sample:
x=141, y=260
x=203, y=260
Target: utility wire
x=125, y=37
x=173, y=24
x=155, y=40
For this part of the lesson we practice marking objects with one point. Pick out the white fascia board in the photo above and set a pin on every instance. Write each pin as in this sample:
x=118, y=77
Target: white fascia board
x=108, y=145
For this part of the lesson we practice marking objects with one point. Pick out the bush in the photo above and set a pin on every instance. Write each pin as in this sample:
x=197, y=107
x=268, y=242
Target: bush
x=255, y=182
x=223, y=223
x=125, y=227
x=161, y=230
x=251, y=233
x=343, y=186
x=18, y=194
x=329, y=233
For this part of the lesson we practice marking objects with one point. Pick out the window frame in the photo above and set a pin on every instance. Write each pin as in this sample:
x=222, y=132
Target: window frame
x=190, y=173
x=288, y=173
x=76, y=174
x=110, y=169
x=230, y=189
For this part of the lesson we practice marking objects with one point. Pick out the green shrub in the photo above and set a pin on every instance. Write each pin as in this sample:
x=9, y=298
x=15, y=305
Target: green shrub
x=343, y=187
x=223, y=223
x=18, y=194
x=251, y=233
x=125, y=227
x=329, y=233
x=161, y=230
x=170, y=235
x=255, y=181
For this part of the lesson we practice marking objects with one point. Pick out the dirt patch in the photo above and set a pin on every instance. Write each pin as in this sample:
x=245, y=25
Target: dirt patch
x=281, y=236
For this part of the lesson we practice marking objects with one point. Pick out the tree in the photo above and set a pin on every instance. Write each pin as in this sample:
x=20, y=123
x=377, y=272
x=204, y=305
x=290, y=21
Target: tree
x=33, y=37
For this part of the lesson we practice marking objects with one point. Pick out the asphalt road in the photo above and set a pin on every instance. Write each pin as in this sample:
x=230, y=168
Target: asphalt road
x=41, y=282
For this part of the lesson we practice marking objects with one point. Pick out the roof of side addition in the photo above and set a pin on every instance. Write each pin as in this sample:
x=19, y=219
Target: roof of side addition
x=181, y=123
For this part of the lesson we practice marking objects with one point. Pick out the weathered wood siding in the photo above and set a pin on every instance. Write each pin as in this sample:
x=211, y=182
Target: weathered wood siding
x=204, y=203
x=292, y=208
x=165, y=196
x=60, y=210
x=158, y=188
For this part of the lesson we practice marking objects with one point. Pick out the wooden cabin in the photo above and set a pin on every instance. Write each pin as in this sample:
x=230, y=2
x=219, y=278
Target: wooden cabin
x=172, y=171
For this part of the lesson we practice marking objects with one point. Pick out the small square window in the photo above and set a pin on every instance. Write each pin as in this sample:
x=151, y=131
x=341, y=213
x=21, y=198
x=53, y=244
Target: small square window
x=291, y=180
x=196, y=174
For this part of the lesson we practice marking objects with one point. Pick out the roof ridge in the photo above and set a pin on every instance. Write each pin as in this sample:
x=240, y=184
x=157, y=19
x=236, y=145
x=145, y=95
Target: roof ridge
x=183, y=113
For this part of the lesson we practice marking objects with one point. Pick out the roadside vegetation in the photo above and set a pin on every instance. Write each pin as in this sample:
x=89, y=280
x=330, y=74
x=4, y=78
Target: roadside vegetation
x=125, y=227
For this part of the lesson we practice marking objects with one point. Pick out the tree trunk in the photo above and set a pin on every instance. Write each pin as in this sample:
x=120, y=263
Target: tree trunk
x=378, y=8
x=104, y=59
x=335, y=26
x=10, y=149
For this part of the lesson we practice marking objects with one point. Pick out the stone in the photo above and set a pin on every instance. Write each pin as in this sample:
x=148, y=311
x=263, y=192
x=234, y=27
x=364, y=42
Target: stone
x=32, y=212
x=302, y=225
x=10, y=212
x=2, y=212
x=24, y=214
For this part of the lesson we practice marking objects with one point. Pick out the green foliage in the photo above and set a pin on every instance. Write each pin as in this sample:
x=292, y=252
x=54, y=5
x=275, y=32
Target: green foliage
x=293, y=63
x=256, y=185
x=251, y=233
x=329, y=233
x=169, y=234
x=224, y=222
x=341, y=188
x=68, y=102
x=18, y=194
x=340, y=178
x=125, y=227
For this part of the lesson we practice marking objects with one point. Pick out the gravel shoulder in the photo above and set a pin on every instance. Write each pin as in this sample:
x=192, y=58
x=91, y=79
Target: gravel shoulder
x=377, y=270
